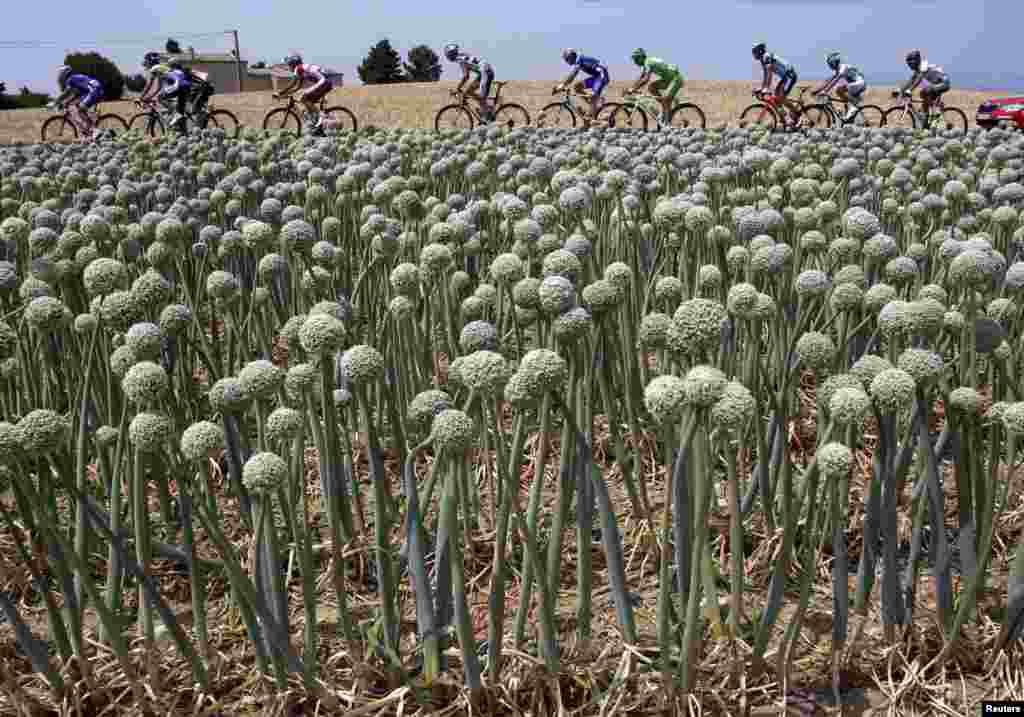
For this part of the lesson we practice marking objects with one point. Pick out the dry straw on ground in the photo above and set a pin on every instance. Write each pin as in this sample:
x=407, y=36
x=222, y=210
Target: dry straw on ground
x=414, y=105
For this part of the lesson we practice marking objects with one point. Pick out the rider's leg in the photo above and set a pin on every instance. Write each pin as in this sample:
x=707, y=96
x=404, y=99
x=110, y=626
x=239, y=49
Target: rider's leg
x=473, y=90
x=670, y=94
x=84, y=107
x=656, y=88
x=585, y=88
x=485, y=91
x=597, y=93
x=782, y=90
x=854, y=96
x=310, y=99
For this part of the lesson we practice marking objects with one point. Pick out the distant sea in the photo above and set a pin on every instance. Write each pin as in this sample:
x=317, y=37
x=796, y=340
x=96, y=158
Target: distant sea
x=987, y=81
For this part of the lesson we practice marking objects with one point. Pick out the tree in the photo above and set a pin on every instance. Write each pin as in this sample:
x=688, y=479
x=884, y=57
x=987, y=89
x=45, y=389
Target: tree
x=382, y=66
x=423, y=66
x=135, y=83
x=172, y=47
x=96, y=65
x=25, y=98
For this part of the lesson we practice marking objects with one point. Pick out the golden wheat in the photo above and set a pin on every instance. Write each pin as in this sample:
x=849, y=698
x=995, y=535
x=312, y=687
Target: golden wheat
x=415, y=104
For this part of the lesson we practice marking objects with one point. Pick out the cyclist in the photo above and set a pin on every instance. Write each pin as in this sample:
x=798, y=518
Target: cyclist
x=166, y=84
x=938, y=80
x=772, y=64
x=310, y=98
x=202, y=89
x=596, y=82
x=483, y=77
x=850, y=81
x=667, y=86
x=82, y=92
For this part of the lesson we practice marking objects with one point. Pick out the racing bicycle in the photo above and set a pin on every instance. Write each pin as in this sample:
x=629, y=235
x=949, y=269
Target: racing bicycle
x=911, y=114
x=837, y=107
x=62, y=127
x=772, y=112
x=153, y=119
x=466, y=115
x=288, y=119
x=640, y=110
x=573, y=109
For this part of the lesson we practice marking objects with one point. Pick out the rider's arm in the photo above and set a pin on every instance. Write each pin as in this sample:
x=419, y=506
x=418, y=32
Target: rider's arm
x=767, y=76
x=64, y=96
x=827, y=87
x=572, y=75
x=290, y=88
x=150, y=90
x=640, y=81
x=911, y=84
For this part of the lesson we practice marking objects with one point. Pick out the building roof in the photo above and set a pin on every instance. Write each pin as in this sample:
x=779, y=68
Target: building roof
x=205, y=58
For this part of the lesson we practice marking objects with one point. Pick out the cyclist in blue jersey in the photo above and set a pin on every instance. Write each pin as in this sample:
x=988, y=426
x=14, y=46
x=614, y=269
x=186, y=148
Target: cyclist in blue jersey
x=82, y=92
x=483, y=77
x=595, y=83
x=772, y=64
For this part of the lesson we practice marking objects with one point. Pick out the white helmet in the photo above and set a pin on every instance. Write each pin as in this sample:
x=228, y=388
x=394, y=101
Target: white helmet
x=63, y=73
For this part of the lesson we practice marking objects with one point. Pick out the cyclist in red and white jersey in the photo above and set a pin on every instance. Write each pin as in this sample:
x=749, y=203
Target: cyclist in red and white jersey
x=938, y=80
x=310, y=98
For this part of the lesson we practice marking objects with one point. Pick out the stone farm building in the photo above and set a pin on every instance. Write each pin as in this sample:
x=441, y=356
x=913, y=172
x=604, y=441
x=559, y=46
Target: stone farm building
x=223, y=70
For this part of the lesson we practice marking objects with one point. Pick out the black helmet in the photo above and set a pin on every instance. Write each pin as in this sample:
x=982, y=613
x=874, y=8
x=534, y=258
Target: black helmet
x=570, y=56
x=833, y=60
x=150, y=59
x=451, y=51
x=758, y=50
x=914, y=59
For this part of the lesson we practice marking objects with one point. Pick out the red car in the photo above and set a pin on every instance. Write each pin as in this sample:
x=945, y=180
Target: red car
x=1001, y=111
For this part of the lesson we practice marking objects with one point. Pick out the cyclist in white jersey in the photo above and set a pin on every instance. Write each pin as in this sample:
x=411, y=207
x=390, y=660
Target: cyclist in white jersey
x=848, y=81
x=938, y=80
x=482, y=73
x=310, y=98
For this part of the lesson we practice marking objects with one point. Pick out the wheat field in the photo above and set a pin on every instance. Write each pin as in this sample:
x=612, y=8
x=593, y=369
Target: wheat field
x=414, y=105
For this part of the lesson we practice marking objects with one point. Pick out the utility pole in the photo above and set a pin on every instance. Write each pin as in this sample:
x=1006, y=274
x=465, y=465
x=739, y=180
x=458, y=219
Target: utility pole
x=238, y=59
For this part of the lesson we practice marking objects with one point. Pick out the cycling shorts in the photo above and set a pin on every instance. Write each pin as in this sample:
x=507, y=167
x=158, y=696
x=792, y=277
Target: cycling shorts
x=786, y=84
x=90, y=98
x=597, y=83
x=318, y=91
x=668, y=86
x=934, y=91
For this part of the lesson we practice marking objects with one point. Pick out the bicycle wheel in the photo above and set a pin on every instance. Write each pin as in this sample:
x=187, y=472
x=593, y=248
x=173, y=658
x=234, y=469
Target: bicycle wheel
x=59, y=129
x=145, y=122
x=556, y=115
x=953, y=118
x=283, y=119
x=899, y=117
x=868, y=116
x=759, y=114
x=224, y=120
x=687, y=116
x=815, y=117
x=628, y=117
x=453, y=117
x=111, y=125
x=338, y=119
x=511, y=116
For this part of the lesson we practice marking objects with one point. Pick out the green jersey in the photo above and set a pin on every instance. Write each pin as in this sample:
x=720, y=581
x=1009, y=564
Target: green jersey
x=657, y=66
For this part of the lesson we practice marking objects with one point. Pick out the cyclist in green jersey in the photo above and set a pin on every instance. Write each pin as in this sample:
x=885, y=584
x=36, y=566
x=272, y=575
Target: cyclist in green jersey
x=665, y=88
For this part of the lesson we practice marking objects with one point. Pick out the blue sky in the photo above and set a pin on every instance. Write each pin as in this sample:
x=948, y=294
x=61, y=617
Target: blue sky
x=975, y=40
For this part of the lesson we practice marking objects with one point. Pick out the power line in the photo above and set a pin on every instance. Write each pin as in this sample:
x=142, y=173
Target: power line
x=122, y=42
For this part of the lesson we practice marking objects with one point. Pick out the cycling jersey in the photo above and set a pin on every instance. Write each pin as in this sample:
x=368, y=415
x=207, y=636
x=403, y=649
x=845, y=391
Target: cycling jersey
x=660, y=68
x=592, y=66
x=777, y=65
x=175, y=81
x=474, y=64
x=848, y=75
x=310, y=73
x=933, y=73
x=88, y=89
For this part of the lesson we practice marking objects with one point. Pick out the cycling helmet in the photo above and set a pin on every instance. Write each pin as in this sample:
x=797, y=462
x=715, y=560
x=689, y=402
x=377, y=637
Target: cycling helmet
x=63, y=73
x=150, y=60
x=759, y=50
x=639, y=56
x=451, y=51
x=293, y=61
x=570, y=56
x=833, y=60
x=914, y=59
